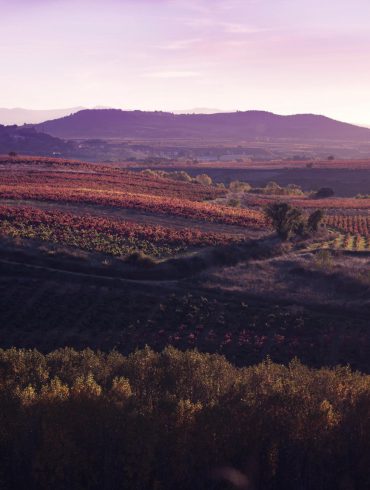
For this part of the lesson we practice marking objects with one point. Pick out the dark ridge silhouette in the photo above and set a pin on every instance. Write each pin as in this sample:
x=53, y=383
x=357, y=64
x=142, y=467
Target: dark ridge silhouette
x=114, y=123
x=27, y=140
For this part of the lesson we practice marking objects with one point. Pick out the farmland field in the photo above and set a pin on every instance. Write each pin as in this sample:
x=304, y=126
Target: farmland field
x=116, y=212
x=98, y=256
x=345, y=179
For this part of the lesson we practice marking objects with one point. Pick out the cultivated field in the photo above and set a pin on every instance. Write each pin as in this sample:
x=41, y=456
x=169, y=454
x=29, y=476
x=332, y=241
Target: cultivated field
x=115, y=211
x=101, y=257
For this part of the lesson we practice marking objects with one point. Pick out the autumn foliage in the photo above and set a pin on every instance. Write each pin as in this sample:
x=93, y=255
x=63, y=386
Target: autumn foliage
x=354, y=224
x=123, y=190
x=102, y=234
x=82, y=420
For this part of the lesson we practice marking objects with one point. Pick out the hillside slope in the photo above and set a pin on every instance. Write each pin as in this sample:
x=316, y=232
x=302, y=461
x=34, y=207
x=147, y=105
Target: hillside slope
x=28, y=141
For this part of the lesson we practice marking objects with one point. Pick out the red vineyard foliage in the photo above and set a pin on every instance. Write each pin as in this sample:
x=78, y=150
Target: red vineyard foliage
x=332, y=203
x=144, y=202
x=102, y=234
x=120, y=181
x=354, y=224
x=309, y=203
x=64, y=181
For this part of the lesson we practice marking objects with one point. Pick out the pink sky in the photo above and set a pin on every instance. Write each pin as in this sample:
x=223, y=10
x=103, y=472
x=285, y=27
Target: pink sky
x=287, y=56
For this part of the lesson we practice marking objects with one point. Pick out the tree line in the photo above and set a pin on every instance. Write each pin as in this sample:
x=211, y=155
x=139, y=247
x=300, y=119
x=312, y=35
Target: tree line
x=184, y=420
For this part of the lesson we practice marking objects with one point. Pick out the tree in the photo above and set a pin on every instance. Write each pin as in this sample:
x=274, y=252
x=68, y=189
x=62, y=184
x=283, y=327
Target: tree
x=272, y=188
x=237, y=186
x=314, y=220
x=285, y=218
x=204, y=179
x=324, y=192
x=293, y=189
x=12, y=154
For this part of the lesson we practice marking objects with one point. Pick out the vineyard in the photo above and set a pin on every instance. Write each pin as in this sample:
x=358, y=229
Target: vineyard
x=353, y=224
x=149, y=203
x=354, y=232
x=28, y=185
x=101, y=234
x=109, y=181
x=114, y=188
x=62, y=217
x=304, y=202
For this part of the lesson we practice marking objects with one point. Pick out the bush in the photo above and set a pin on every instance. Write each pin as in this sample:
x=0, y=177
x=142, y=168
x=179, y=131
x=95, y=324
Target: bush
x=314, y=220
x=324, y=192
x=288, y=220
x=140, y=259
x=180, y=176
x=237, y=186
x=203, y=179
x=285, y=218
x=273, y=189
x=234, y=203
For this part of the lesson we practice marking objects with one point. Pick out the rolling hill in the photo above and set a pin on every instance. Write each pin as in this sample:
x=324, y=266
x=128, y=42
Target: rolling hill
x=27, y=140
x=114, y=123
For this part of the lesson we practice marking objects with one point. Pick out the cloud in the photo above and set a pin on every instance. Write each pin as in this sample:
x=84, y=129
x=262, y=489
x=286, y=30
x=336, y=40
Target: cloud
x=180, y=44
x=172, y=74
x=239, y=28
x=226, y=27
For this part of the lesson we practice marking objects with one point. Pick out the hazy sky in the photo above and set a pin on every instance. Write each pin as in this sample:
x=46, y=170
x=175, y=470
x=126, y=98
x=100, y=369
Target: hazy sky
x=287, y=56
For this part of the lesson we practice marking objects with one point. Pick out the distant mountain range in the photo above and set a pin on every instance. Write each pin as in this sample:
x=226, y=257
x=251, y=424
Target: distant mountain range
x=236, y=126
x=21, y=116
x=198, y=110
x=113, y=135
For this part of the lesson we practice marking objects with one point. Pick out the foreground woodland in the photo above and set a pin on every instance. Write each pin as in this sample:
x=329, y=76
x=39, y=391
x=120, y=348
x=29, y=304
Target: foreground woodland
x=187, y=420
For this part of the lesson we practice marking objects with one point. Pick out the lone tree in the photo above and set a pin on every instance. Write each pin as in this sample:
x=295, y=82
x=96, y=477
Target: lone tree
x=324, y=192
x=285, y=218
x=288, y=220
x=314, y=220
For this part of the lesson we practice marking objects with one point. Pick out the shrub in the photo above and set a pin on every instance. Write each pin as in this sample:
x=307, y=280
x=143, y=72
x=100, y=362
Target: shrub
x=140, y=259
x=324, y=192
x=285, y=218
x=314, y=220
x=234, y=203
x=273, y=189
x=237, y=186
x=203, y=179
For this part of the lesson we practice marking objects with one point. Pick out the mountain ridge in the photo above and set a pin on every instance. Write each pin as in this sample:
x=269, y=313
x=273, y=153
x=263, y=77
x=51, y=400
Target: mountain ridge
x=240, y=125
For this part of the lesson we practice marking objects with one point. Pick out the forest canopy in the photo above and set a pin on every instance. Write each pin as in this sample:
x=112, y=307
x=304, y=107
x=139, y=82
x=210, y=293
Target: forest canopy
x=181, y=420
